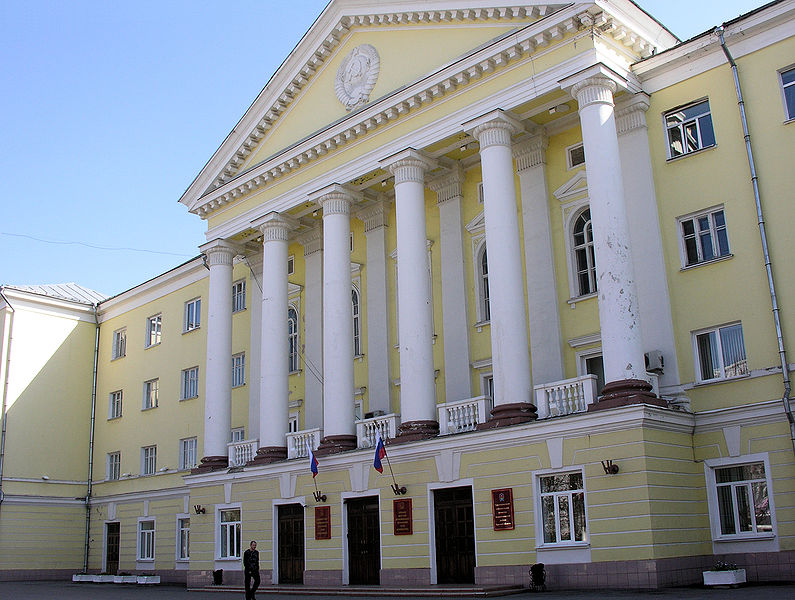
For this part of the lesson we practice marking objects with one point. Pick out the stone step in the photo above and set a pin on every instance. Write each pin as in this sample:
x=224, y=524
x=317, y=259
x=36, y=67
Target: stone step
x=434, y=591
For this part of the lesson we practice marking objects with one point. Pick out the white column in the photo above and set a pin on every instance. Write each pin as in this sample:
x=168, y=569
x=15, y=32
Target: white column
x=377, y=327
x=546, y=344
x=253, y=358
x=339, y=429
x=274, y=365
x=218, y=378
x=415, y=330
x=509, y=339
x=312, y=242
x=455, y=328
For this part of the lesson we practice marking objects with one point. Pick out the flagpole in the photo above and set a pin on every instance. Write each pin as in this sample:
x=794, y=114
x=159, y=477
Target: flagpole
x=395, y=487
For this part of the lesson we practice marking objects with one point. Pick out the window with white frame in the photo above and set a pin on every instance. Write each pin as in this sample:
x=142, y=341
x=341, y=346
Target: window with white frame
x=148, y=460
x=788, y=90
x=151, y=390
x=238, y=434
x=562, y=507
x=291, y=264
x=575, y=156
x=146, y=540
x=229, y=532
x=183, y=538
x=189, y=383
x=483, y=284
x=292, y=422
x=114, y=466
x=239, y=369
x=292, y=339
x=239, y=296
x=689, y=129
x=119, y=348
x=584, y=259
x=743, y=501
x=115, y=404
x=487, y=389
x=153, y=330
x=357, y=324
x=720, y=353
x=187, y=453
x=193, y=314
x=704, y=237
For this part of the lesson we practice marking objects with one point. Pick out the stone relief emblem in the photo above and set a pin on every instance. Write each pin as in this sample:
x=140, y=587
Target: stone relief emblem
x=357, y=75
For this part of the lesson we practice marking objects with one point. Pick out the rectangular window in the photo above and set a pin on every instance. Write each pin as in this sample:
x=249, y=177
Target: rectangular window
x=239, y=296
x=689, y=129
x=704, y=237
x=238, y=434
x=193, y=313
x=146, y=540
x=187, y=453
x=743, y=503
x=575, y=156
x=119, y=343
x=291, y=265
x=114, y=466
x=239, y=369
x=183, y=539
x=153, y=328
x=229, y=534
x=562, y=499
x=114, y=404
x=292, y=423
x=148, y=460
x=189, y=384
x=788, y=89
x=151, y=388
x=720, y=353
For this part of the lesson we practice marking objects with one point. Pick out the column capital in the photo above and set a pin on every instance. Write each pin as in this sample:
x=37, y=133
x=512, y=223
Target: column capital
x=494, y=128
x=275, y=227
x=531, y=152
x=631, y=114
x=312, y=241
x=594, y=85
x=335, y=199
x=374, y=216
x=219, y=252
x=450, y=185
x=408, y=165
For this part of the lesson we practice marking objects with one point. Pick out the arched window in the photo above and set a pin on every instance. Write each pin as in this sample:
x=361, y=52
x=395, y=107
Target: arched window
x=483, y=276
x=292, y=335
x=583, y=253
x=357, y=330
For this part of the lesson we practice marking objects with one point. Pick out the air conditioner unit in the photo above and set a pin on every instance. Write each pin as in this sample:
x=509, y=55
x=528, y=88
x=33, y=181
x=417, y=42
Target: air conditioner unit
x=654, y=361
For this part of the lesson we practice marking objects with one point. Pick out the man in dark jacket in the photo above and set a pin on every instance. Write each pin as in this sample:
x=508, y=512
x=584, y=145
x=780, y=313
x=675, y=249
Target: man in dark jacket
x=251, y=569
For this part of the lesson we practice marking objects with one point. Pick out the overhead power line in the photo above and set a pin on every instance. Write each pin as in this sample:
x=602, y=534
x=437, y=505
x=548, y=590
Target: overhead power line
x=94, y=246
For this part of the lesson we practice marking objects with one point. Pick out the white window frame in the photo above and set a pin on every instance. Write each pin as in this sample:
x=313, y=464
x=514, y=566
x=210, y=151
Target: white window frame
x=115, y=404
x=293, y=339
x=189, y=383
x=154, y=330
x=149, y=460
x=570, y=164
x=292, y=422
x=119, y=348
x=713, y=231
x=583, y=356
x=482, y=282
x=222, y=530
x=719, y=352
x=183, y=538
x=238, y=434
x=238, y=369
x=193, y=313
x=538, y=509
x=291, y=264
x=151, y=394
x=238, y=296
x=113, y=466
x=188, y=453
x=789, y=110
x=590, y=254
x=356, y=310
x=145, y=548
x=696, y=121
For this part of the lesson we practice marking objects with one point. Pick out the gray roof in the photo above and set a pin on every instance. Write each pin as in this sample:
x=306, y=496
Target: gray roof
x=63, y=291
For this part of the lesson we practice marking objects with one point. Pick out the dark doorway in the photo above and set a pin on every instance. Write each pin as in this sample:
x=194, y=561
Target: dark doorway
x=291, y=543
x=364, y=541
x=455, y=535
x=112, y=536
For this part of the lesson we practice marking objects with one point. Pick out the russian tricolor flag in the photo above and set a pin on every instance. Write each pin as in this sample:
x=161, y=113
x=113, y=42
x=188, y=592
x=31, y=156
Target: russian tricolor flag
x=380, y=452
x=312, y=460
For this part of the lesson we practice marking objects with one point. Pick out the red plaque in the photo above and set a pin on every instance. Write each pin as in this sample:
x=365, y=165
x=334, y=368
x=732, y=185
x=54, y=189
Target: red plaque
x=502, y=508
x=401, y=515
x=322, y=522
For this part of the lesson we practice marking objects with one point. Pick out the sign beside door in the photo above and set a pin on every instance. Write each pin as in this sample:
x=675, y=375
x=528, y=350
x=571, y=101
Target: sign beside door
x=322, y=522
x=502, y=509
x=401, y=516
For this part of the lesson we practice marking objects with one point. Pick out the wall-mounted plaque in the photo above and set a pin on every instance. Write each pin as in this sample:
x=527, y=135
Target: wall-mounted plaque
x=401, y=514
x=502, y=508
x=322, y=522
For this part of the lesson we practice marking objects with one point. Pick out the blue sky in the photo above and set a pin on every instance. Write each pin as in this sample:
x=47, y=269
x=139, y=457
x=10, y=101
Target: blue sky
x=108, y=110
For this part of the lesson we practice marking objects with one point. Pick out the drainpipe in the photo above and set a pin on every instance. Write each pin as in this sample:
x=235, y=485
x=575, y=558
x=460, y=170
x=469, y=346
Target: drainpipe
x=91, y=442
x=768, y=266
x=5, y=391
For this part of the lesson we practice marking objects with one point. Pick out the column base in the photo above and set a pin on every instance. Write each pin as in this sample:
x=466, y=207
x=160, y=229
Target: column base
x=208, y=464
x=334, y=444
x=411, y=431
x=514, y=413
x=267, y=455
x=624, y=392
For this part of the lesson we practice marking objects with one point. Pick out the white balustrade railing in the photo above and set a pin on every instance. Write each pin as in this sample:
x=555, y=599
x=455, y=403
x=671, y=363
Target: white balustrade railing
x=241, y=452
x=565, y=397
x=366, y=429
x=463, y=415
x=296, y=442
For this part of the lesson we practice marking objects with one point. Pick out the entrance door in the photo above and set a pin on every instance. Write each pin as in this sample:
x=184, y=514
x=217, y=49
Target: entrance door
x=291, y=543
x=455, y=535
x=112, y=536
x=364, y=541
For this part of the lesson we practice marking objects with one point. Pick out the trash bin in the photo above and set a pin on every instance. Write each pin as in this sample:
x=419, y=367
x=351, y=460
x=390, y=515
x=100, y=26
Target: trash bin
x=218, y=577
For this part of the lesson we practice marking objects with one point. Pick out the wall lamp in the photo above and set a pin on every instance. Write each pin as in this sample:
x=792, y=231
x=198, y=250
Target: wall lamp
x=610, y=467
x=199, y=509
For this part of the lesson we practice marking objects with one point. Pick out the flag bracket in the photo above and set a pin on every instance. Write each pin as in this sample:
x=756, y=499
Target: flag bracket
x=319, y=496
x=399, y=490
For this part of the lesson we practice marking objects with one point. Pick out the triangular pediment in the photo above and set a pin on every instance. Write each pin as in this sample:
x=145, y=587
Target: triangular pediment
x=478, y=224
x=575, y=187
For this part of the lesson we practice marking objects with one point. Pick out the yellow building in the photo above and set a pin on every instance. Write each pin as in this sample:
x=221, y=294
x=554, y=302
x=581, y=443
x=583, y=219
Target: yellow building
x=605, y=392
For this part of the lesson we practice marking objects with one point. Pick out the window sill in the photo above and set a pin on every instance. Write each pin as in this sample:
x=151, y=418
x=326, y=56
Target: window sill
x=296, y=372
x=694, y=152
x=722, y=380
x=239, y=310
x=756, y=537
x=152, y=346
x=575, y=299
x=145, y=408
x=481, y=324
x=118, y=357
x=564, y=546
x=234, y=387
x=358, y=357
x=191, y=330
x=707, y=262
x=788, y=121
x=228, y=559
x=114, y=418
x=189, y=398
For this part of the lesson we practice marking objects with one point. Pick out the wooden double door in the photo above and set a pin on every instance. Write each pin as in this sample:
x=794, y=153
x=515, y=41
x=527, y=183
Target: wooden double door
x=112, y=539
x=291, y=543
x=364, y=541
x=454, y=535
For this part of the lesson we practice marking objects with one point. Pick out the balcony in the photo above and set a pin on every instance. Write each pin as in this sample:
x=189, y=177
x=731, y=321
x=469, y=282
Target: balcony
x=565, y=397
x=366, y=429
x=463, y=415
x=297, y=441
x=241, y=452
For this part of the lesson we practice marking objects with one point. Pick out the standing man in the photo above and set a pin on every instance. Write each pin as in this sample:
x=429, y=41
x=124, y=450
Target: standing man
x=251, y=568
